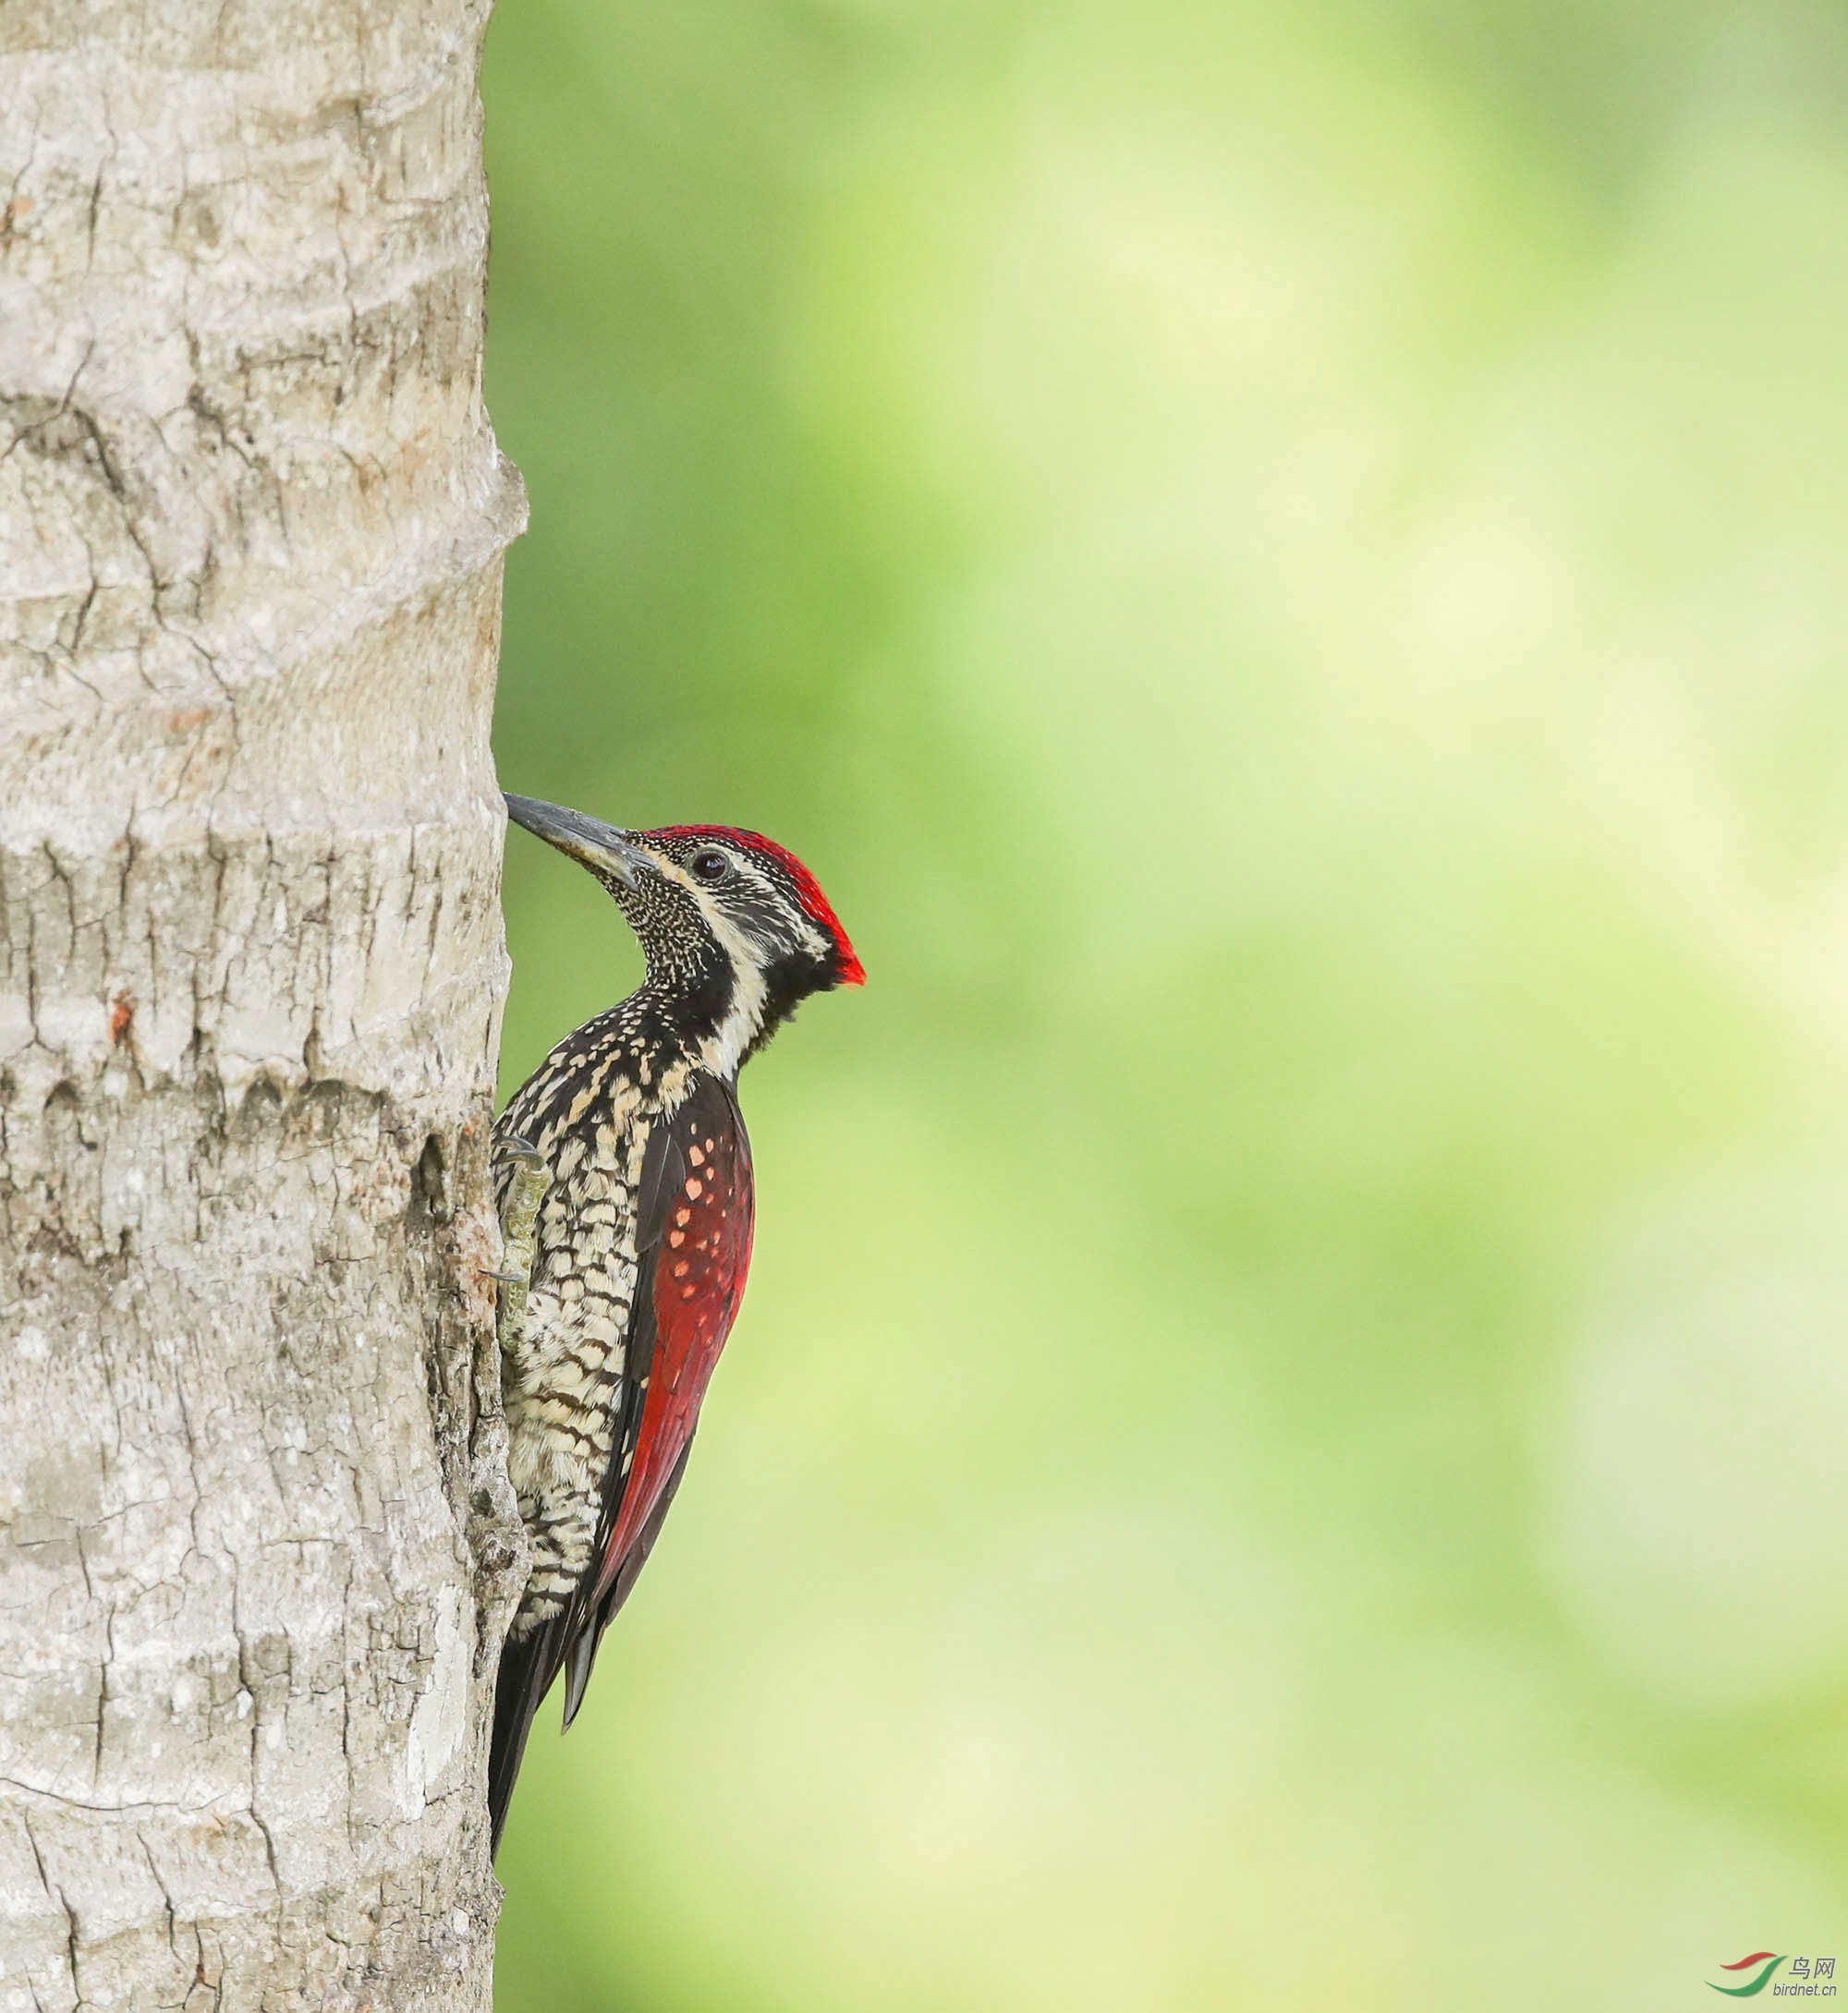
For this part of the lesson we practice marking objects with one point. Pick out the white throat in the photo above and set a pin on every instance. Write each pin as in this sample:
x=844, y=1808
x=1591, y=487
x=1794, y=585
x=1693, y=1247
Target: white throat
x=723, y=1050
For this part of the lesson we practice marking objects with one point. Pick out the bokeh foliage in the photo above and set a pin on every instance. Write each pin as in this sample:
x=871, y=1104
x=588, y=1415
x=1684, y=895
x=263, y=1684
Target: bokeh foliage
x=1284, y=566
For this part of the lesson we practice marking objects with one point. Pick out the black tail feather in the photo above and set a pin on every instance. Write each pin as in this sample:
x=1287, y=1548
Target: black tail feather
x=529, y=1663
x=528, y=1667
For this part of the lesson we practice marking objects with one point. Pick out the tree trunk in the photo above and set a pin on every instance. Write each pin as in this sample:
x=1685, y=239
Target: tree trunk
x=257, y=1542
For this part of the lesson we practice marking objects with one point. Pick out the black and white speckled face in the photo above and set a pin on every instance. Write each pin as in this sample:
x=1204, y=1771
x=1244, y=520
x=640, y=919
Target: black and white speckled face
x=736, y=929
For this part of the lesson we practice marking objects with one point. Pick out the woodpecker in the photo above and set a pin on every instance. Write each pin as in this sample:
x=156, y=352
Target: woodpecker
x=622, y=1175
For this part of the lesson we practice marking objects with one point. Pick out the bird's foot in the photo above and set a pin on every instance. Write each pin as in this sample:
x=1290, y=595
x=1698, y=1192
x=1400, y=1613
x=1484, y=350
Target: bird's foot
x=526, y=1193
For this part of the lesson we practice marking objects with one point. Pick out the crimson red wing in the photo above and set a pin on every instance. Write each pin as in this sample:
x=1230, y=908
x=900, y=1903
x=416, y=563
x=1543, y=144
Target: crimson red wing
x=696, y=1213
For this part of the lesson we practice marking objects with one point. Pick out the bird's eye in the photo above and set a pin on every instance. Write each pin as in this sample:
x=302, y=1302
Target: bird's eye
x=710, y=868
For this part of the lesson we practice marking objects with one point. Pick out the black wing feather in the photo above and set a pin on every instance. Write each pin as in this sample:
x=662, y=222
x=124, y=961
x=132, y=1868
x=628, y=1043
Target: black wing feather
x=584, y=1650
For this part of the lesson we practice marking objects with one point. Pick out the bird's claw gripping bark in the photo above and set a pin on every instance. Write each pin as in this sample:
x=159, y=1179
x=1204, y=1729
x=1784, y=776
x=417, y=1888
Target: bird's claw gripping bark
x=526, y=1191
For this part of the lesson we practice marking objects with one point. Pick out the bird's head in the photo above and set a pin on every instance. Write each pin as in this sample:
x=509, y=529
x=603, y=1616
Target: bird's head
x=736, y=929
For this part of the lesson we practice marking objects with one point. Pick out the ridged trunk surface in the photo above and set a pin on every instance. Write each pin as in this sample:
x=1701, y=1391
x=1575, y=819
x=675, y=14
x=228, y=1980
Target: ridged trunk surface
x=255, y=1539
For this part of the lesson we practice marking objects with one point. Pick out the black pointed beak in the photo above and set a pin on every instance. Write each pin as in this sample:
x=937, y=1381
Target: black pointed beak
x=601, y=847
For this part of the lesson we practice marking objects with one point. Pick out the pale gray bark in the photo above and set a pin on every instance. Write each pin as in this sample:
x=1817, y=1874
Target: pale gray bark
x=256, y=1545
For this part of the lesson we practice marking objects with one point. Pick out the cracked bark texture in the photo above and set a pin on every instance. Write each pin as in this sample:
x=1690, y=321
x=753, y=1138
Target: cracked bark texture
x=256, y=1548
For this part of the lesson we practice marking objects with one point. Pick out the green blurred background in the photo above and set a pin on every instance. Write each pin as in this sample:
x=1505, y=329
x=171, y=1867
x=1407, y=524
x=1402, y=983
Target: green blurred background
x=1285, y=566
